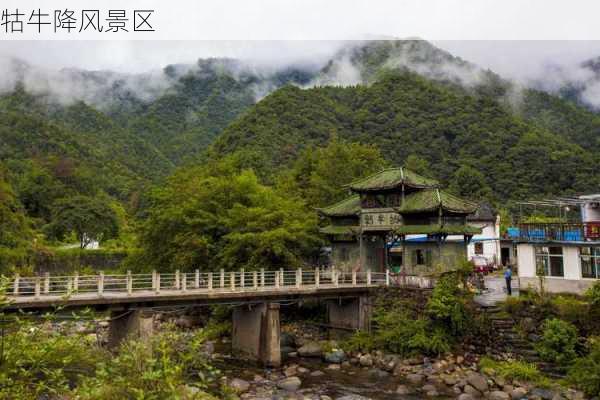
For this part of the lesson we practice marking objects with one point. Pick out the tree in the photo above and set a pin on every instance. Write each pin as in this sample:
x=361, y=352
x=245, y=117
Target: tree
x=215, y=217
x=319, y=173
x=417, y=164
x=470, y=183
x=89, y=218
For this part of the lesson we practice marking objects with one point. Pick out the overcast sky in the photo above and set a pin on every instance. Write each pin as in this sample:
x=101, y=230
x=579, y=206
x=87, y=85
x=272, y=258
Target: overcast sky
x=514, y=59
x=527, y=34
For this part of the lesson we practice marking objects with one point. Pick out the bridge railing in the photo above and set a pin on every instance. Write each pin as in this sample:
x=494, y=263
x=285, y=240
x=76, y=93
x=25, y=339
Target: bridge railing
x=128, y=284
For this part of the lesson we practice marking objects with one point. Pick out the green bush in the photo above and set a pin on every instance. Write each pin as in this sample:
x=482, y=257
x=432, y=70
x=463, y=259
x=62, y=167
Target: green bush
x=359, y=342
x=517, y=370
x=593, y=294
x=515, y=305
x=585, y=371
x=447, y=305
x=558, y=341
x=573, y=310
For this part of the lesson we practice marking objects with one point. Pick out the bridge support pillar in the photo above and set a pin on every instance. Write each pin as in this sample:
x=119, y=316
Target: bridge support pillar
x=349, y=315
x=124, y=324
x=256, y=333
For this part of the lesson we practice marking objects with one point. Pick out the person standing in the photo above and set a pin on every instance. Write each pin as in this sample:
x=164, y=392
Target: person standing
x=508, y=279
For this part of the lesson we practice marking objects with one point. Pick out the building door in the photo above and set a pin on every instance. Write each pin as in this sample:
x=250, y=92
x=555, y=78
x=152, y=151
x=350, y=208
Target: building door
x=505, y=255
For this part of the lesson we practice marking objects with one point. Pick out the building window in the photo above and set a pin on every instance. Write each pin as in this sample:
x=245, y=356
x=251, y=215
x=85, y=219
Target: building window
x=549, y=261
x=590, y=262
x=421, y=257
x=479, y=248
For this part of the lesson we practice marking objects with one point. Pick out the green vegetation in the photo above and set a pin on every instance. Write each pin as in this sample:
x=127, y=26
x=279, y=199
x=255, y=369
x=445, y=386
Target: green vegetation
x=401, y=327
x=51, y=358
x=558, y=341
x=517, y=370
x=585, y=371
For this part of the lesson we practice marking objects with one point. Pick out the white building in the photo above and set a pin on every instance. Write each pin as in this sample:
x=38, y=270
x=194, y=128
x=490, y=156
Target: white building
x=562, y=257
x=487, y=243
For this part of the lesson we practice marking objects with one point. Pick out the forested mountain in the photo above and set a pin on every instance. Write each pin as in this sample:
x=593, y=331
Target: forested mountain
x=405, y=114
x=105, y=137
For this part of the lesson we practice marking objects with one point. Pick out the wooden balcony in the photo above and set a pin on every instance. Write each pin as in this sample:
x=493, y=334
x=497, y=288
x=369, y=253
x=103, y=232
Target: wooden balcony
x=563, y=232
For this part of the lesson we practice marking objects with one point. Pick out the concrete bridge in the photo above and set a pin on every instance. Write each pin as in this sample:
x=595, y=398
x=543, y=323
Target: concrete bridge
x=131, y=299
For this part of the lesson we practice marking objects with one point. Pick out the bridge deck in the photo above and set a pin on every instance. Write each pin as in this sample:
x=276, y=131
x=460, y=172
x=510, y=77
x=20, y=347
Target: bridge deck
x=179, y=288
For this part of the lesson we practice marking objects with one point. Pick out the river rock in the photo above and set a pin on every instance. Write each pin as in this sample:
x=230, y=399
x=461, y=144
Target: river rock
x=460, y=359
x=310, y=349
x=317, y=373
x=499, y=395
x=286, y=350
x=478, y=381
x=334, y=367
x=543, y=393
x=465, y=396
x=518, y=393
x=287, y=340
x=366, y=360
x=353, y=397
x=450, y=380
x=239, y=385
x=415, y=379
x=290, y=384
x=335, y=356
x=404, y=390
x=428, y=388
x=378, y=374
x=472, y=391
x=290, y=371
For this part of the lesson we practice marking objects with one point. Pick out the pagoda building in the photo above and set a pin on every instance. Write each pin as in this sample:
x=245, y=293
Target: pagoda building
x=400, y=220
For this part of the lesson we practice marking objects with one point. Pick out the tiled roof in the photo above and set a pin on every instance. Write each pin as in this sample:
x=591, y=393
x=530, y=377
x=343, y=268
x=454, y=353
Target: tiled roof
x=392, y=178
x=432, y=199
x=347, y=207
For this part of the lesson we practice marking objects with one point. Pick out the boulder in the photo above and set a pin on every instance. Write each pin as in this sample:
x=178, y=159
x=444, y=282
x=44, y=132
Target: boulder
x=472, y=391
x=499, y=395
x=415, y=379
x=290, y=384
x=334, y=367
x=478, y=381
x=543, y=393
x=310, y=349
x=404, y=390
x=290, y=371
x=317, y=373
x=378, y=374
x=465, y=396
x=336, y=356
x=239, y=385
x=518, y=393
x=366, y=360
x=353, y=397
x=428, y=388
x=287, y=340
x=450, y=380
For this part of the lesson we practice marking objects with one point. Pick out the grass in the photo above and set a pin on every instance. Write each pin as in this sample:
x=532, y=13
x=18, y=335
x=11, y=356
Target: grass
x=515, y=370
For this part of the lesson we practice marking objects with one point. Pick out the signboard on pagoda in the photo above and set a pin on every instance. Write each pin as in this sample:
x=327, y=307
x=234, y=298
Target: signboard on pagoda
x=379, y=220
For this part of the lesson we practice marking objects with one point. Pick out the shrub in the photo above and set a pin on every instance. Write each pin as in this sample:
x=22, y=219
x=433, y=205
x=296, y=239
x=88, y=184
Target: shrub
x=431, y=343
x=572, y=310
x=515, y=305
x=517, y=370
x=585, y=371
x=447, y=305
x=360, y=341
x=558, y=341
x=593, y=294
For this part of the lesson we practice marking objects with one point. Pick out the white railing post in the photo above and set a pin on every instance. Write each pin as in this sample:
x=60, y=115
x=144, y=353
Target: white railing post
x=336, y=276
x=129, y=283
x=254, y=279
x=177, y=281
x=242, y=278
x=100, y=283
x=277, y=279
x=232, y=280
x=47, y=283
x=387, y=277
x=353, y=278
x=317, y=276
x=37, y=287
x=76, y=282
x=197, y=279
x=262, y=277
x=69, y=285
x=368, y=277
x=210, y=281
x=157, y=284
x=299, y=278
x=184, y=282
x=282, y=277
x=153, y=280
x=16, y=285
x=222, y=282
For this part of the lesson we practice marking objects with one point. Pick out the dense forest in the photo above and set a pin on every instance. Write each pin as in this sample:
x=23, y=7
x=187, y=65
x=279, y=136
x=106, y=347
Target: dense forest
x=289, y=137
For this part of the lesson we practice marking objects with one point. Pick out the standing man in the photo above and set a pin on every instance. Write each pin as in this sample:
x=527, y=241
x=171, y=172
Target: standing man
x=508, y=278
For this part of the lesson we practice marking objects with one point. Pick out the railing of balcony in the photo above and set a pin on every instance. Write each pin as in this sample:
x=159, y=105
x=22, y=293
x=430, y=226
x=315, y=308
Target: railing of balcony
x=569, y=232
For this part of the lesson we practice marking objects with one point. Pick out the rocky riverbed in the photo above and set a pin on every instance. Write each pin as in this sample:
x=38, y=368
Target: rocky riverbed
x=312, y=373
